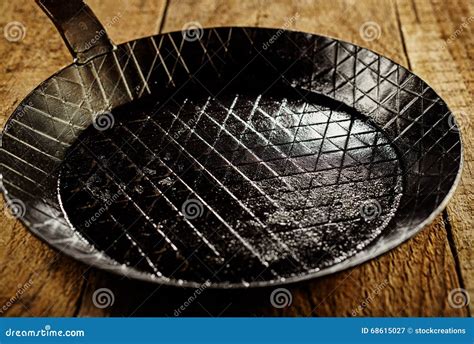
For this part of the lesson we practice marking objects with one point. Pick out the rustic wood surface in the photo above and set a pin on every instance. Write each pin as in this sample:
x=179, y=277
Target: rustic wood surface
x=434, y=38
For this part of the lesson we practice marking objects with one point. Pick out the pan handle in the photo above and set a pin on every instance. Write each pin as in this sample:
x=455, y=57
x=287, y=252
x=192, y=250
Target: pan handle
x=82, y=32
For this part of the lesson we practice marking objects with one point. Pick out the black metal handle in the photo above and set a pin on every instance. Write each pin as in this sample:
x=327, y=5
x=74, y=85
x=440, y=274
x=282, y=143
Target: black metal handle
x=82, y=32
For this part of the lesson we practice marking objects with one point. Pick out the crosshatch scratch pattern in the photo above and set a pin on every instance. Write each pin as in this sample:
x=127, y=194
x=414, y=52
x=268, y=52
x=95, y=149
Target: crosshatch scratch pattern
x=282, y=184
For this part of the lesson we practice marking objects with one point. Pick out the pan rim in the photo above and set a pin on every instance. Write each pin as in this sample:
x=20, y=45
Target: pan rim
x=368, y=253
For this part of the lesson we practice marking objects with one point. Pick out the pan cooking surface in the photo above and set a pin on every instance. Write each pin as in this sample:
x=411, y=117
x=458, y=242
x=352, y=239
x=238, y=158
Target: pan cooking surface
x=239, y=188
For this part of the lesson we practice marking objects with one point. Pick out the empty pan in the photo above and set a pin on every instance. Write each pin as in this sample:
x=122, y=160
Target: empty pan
x=228, y=156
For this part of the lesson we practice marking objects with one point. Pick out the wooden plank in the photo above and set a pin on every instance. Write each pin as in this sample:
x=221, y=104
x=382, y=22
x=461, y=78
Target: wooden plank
x=405, y=282
x=440, y=44
x=136, y=18
x=412, y=280
x=56, y=280
x=23, y=257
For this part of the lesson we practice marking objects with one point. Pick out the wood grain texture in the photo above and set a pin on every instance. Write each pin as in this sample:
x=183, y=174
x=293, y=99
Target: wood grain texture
x=56, y=280
x=412, y=280
x=22, y=256
x=440, y=45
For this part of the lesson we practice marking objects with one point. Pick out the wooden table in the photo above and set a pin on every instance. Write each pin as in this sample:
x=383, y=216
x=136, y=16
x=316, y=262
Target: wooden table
x=412, y=280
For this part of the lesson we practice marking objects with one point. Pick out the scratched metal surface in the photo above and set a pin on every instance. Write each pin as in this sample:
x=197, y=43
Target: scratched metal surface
x=300, y=161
